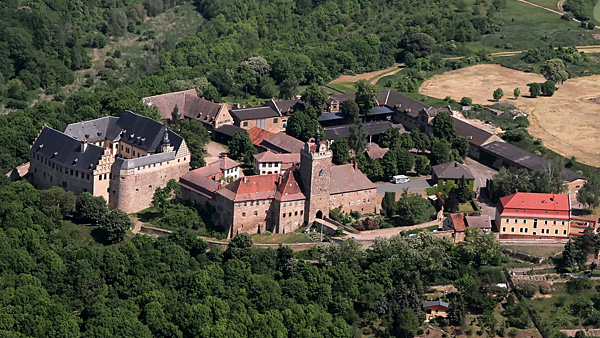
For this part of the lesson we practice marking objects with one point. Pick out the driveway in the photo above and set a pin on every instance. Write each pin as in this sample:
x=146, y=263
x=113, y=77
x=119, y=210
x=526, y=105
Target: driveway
x=214, y=150
x=419, y=183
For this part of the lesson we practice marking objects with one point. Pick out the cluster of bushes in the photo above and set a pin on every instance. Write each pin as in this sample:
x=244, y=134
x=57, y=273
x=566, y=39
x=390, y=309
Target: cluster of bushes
x=542, y=89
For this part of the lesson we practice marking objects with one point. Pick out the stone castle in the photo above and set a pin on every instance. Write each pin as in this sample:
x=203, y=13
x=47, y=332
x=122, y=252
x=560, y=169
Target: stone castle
x=123, y=159
x=281, y=202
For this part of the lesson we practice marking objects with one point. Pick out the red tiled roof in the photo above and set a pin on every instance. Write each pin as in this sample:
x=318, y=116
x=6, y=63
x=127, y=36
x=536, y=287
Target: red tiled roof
x=459, y=221
x=523, y=204
x=257, y=135
x=289, y=189
x=251, y=188
x=188, y=104
x=215, y=167
x=536, y=201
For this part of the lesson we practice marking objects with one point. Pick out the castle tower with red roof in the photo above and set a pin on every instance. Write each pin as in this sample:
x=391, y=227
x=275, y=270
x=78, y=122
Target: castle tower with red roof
x=315, y=170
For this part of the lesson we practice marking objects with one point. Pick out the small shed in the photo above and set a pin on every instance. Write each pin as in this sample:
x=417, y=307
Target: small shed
x=436, y=308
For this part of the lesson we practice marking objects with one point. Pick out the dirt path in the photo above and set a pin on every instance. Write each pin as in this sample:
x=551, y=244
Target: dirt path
x=567, y=122
x=214, y=150
x=372, y=77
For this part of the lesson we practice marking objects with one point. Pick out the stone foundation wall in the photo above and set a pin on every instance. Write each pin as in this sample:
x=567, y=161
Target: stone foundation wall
x=364, y=201
x=133, y=192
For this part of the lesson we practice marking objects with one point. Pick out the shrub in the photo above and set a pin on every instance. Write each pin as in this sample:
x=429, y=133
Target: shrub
x=466, y=101
x=545, y=289
x=567, y=16
x=355, y=214
x=367, y=224
x=513, y=333
x=420, y=331
x=527, y=290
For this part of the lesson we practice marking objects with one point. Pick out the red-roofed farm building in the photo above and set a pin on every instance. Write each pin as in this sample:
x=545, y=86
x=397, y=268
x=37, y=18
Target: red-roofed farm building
x=526, y=216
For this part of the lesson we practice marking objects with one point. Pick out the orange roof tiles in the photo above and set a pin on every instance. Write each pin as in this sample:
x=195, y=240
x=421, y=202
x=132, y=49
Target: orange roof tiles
x=257, y=135
x=251, y=188
x=459, y=222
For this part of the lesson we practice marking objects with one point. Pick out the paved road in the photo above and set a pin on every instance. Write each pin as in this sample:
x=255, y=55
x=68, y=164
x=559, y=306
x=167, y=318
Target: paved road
x=414, y=184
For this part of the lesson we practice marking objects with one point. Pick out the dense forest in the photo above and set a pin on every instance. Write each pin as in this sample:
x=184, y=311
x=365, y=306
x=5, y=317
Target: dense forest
x=53, y=285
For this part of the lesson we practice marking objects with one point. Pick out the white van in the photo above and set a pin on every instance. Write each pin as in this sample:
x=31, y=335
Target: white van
x=400, y=179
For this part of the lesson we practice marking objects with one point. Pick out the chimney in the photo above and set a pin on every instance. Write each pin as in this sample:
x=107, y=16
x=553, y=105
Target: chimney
x=84, y=145
x=455, y=164
x=355, y=165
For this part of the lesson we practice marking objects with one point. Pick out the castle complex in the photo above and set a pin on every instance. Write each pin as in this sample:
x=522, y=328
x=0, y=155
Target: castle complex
x=281, y=202
x=123, y=159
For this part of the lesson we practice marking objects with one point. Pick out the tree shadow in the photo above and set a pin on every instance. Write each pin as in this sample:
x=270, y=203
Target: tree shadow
x=147, y=216
x=99, y=235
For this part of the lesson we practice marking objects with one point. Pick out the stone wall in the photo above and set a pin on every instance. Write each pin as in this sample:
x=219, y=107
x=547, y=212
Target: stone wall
x=46, y=176
x=290, y=215
x=270, y=124
x=364, y=201
x=253, y=216
x=132, y=190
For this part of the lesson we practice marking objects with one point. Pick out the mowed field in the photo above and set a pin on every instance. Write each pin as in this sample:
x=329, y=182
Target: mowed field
x=568, y=122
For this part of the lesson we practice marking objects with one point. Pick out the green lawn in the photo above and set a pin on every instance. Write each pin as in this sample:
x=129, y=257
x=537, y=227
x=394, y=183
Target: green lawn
x=87, y=235
x=546, y=250
x=466, y=208
x=292, y=237
x=525, y=27
x=552, y=4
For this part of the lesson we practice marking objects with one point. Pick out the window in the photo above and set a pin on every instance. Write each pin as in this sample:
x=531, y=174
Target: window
x=553, y=222
x=284, y=215
x=290, y=214
x=535, y=223
x=564, y=232
x=301, y=212
x=526, y=230
x=243, y=214
x=358, y=202
x=512, y=229
x=524, y=221
x=520, y=229
x=255, y=213
x=563, y=223
x=516, y=220
x=275, y=120
x=534, y=233
x=322, y=172
x=545, y=222
x=556, y=231
x=296, y=213
x=507, y=220
x=503, y=229
x=245, y=124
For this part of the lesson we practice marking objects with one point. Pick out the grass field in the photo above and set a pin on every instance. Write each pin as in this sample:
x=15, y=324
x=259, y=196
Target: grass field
x=554, y=119
x=552, y=4
x=87, y=235
x=546, y=250
x=525, y=27
x=292, y=237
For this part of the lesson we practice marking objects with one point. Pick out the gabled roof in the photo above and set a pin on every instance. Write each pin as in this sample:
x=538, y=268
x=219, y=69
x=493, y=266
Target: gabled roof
x=267, y=156
x=66, y=151
x=286, y=106
x=132, y=163
x=452, y=170
x=282, y=143
x=535, y=201
x=375, y=151
x=289, y=189
x=371, y=128
x=478, y=222
x=216, y=167
x=199, y=183
x=188, y=104
x=251, y=188
x=395, y=100
x=257, y=135
x=95, y=130
x=436, y=303
x=347, y=178
x=254, y=113
x=474, y=134
x=229, y=130
x=458, y=220
x=524, y=158
x=144, y=133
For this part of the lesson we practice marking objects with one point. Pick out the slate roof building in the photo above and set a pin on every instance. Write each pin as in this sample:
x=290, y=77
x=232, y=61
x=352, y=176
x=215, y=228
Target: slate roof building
x=122, y=159
x=282, y=143
x=501, y=154
x=437, y=308
x=280, y=200
x=189, y=105
x=451, y=172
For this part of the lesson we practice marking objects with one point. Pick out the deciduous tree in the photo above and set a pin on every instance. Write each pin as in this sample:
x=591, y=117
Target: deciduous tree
x=554, y=70
x=340, y=151
x=115, y=223
x=498, y=94
x=443, y=126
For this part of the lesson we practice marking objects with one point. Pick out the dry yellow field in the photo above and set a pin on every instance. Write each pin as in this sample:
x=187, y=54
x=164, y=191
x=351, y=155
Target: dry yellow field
x=568, y=122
